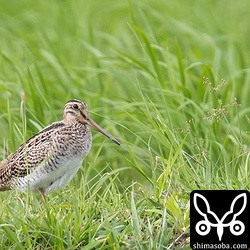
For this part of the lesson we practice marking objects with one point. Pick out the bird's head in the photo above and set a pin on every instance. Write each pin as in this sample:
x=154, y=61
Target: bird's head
x=77, y=111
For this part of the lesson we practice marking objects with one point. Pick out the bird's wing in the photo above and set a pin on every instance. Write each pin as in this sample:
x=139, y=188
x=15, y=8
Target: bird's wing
x=28, y=157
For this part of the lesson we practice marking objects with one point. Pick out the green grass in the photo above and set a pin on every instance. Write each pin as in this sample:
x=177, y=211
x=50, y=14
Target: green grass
x=151, y=74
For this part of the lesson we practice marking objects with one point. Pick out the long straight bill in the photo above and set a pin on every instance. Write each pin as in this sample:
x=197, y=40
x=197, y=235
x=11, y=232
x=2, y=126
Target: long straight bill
x=94, y=125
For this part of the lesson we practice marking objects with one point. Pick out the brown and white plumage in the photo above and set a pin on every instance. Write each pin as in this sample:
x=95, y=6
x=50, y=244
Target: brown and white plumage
x=51, y=158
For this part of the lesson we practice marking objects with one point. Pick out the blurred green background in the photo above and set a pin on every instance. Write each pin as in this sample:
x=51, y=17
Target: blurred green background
x=117, y=55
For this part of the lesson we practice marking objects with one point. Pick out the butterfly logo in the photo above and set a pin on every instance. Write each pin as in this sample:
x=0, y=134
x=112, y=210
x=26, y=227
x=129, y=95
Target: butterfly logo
x=210, y=219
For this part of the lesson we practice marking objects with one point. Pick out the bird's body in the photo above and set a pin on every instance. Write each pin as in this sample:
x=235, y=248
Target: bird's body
x=52, y=157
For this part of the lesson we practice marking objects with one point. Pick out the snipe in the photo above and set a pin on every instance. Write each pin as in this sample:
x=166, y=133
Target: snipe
x=51, y=158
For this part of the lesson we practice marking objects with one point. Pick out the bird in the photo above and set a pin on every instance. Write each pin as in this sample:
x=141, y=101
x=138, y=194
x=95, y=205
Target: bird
x=51, y=158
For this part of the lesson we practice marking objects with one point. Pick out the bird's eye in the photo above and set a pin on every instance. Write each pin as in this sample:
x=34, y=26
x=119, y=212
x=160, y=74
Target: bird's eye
x=75, y=106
